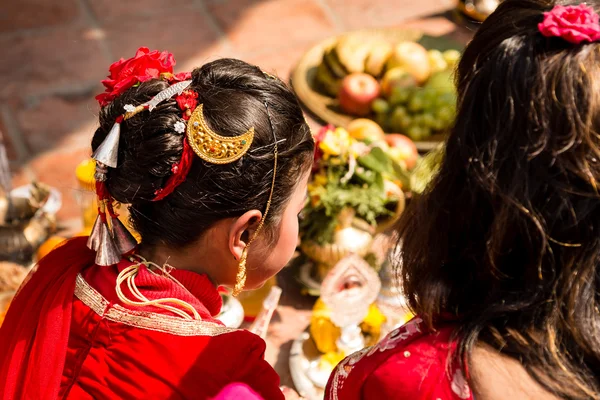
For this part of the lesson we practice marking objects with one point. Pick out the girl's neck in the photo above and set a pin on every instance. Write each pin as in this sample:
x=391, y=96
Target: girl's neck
x=179, y=259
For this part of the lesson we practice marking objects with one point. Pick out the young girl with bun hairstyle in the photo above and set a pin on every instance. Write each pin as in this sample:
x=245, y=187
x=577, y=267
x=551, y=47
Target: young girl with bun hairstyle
x=214, y=167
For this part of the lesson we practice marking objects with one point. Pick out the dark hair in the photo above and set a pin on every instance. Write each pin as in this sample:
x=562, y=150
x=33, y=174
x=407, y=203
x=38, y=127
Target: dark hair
x=506, y=240
x=235, y=96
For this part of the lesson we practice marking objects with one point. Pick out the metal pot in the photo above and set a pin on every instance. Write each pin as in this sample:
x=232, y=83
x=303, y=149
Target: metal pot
x=477, y=10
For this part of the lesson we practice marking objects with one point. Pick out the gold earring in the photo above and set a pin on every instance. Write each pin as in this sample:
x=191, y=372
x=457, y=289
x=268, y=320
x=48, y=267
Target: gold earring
x=240, y=279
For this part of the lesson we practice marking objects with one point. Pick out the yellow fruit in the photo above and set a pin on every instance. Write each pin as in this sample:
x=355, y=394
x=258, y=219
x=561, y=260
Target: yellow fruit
x=363, y=128
x=436, y=61
x=413, y=58
x=352, y=52
x=378, y=57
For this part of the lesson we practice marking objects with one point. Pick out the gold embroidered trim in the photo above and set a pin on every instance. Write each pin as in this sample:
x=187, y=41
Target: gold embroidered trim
x=141, y=319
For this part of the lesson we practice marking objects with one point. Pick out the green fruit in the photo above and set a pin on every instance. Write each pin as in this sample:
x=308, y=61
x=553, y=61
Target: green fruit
x=429, y=120
x=407, y=122
x=399, y=95
x=438, y=124
x=418, y=119
x=331, y=60
x=383, y=120
x=326, y=82
x=415, y=132
x=445, y=99
x=399, y=110
x=380, y=106
x=451, y=57
x=430, y=94
x=398, y=119
x=416, y=104
x=425, y=132
x=443, y=81
x=396, y=78
x=445, y=114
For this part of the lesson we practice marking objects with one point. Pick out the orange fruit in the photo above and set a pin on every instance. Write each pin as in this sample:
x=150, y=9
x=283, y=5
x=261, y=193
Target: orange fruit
x=363, y=128
x=50, y=244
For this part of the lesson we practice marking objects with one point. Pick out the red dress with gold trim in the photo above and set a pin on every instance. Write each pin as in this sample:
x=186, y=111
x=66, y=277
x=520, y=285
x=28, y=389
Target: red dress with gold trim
x=109, y=350
x=409, y=363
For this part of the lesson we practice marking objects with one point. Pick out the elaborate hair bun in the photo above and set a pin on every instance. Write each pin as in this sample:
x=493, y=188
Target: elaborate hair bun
x=234, y=96
x=149, y=143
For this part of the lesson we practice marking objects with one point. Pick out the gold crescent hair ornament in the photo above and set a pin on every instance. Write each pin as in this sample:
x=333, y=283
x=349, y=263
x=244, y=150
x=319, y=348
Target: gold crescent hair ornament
x=212, y=147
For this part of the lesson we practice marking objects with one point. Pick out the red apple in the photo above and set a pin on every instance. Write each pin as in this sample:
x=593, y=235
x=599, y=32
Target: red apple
x=403, y=149
x=357, y=92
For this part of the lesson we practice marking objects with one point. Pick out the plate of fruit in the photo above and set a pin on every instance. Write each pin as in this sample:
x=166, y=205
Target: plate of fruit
x=400, y=78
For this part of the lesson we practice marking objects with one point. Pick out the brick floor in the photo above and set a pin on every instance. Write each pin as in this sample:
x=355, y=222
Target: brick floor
x=25, y=14
x=56, y=51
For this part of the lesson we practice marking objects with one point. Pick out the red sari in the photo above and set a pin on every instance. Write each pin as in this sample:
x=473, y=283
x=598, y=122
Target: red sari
x=67, y=335
x=409, y=363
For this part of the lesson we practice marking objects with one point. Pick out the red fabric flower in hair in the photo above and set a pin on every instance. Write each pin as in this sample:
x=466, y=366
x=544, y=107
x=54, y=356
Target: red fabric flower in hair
x=575, y=24
x=187, y=102
x=145, y=65
x=182, y=76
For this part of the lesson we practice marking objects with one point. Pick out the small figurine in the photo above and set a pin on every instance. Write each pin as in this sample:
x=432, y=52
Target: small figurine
x=347, y=294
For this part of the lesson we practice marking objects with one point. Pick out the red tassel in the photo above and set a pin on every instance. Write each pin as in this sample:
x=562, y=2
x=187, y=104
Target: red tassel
x=102, y=215
x=102, y=191
x=111, y=210
x=180, y=172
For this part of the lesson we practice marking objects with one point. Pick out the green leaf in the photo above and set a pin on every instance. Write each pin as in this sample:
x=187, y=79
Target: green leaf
x=377, y=160
x=379, y=183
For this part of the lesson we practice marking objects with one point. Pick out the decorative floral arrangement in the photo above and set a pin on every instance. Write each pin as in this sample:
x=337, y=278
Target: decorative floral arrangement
x=350, y=174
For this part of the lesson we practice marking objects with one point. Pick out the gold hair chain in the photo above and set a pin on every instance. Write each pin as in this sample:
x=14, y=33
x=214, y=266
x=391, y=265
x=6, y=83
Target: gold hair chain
x=240, y=281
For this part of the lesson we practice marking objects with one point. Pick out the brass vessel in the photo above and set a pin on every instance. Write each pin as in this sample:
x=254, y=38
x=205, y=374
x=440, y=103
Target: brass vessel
x=477, y=10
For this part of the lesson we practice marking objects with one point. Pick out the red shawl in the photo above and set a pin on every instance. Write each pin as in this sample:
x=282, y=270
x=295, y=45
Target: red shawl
x=36, y=328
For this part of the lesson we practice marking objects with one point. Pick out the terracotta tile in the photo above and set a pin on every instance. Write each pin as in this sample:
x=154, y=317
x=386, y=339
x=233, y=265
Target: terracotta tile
x=44, y=61
x=185, y=33
x=359, y=14
x=280, y=63
x=58, y=123
x=197, y=60
x=21, y=177
x=254, y=25
x=107, y=10
x=57, y=169
x=27, y=14
x=441, y=26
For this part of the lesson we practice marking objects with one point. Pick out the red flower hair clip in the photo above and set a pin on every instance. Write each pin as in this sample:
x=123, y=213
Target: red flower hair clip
x=187, y=102
x=575, y=24
x=142, y=67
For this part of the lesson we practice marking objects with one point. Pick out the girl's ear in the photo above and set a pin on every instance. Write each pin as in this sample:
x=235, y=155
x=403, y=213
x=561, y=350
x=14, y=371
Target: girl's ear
x=241, y=230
